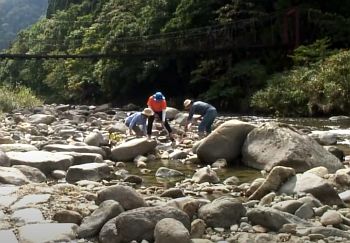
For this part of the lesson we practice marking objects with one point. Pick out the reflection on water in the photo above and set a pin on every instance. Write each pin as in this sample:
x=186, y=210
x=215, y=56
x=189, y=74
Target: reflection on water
x=339, y=127
x=244, y=174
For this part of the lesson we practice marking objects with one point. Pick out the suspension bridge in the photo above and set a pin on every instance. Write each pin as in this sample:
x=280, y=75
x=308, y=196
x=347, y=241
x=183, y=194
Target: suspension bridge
x=265, y=32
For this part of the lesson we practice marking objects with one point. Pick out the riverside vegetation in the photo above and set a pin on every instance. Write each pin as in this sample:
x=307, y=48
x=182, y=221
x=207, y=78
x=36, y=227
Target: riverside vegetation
x=309, y=80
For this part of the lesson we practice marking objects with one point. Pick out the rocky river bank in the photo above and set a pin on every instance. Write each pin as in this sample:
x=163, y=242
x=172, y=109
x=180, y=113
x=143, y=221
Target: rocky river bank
x=71, y=174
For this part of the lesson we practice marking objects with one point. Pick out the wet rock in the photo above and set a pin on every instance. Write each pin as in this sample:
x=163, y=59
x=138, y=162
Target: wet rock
x=288, y=206
x=219, y=163
x=43, y=160
x=127, y=151
x=166, y=172
x=8, y=236
x=4, y=160
x=222, y=212
x=171, y=230
x=325, y=138
x=225, y=142
x=305, y=211
x=331, y=217
x=58, y=174
x=320, y=171
x=18, y=147
x=345, y=196
x=325, y=231
x=41, y=118
x=198, y=227
x=274, y=144
x=92, y=224
x=91, y=171
x=336, y=152
x=274, y=180
x=12, y=176
x=125, y=195
x=84, y=158
x=315, y=185
x=94, y=139
x=187, y=204
x=342, y=177
x=267, y=199
x=178, y=154
x=171, y=113
x=205, y=174
x=75, y=148
x=48, y=233
x=232, y=180
x=138, y=224
x=27, y=215
x=32, y=173
x=273, y=219
x=31, y=199
x=67, y=216
x=118, y=127
x=173, y=193
x=133, y=179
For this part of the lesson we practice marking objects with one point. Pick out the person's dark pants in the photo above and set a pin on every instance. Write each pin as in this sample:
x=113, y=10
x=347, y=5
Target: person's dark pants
x=150, y=123
x=207, y=121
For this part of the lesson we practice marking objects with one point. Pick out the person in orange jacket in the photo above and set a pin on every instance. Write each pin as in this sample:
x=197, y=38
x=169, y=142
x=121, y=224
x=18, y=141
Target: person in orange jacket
x=157, y=103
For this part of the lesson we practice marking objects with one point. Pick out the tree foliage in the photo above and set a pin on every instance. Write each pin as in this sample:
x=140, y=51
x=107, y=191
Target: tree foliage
x=227, y=79
x=16, y=15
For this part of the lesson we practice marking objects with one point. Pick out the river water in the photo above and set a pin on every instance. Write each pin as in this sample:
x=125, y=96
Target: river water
x=339, y=127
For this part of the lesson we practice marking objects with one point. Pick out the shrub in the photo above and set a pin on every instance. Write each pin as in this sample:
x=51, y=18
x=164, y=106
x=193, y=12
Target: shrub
x=19, y=97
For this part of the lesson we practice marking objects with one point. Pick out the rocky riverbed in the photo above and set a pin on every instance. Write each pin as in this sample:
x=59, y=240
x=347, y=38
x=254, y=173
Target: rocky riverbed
x=71, y=174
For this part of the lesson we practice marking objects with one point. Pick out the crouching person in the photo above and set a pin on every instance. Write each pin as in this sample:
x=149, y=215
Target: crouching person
x=137, y=122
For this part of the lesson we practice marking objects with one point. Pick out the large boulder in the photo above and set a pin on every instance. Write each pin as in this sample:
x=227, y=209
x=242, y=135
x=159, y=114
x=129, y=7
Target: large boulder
x=43, y=160
x=313, y=184
x=275, y=144
x=139, y=224
x=90, y=171
x=225, y=142
x=274, y=180
x=129, y=150
x=75, y=148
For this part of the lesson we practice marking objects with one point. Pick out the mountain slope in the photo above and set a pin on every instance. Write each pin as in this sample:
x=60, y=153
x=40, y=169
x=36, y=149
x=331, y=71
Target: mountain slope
x=16, y=15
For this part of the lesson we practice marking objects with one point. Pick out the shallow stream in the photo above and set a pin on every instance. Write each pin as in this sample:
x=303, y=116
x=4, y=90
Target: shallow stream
x=339, y=127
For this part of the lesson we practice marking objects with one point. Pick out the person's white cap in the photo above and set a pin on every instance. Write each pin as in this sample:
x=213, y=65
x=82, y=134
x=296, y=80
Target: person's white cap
x=147, y=112
x=187, y=102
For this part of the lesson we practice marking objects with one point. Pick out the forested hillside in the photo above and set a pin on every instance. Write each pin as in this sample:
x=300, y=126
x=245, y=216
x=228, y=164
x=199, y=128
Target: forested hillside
x=16, y=15
x=265, y=79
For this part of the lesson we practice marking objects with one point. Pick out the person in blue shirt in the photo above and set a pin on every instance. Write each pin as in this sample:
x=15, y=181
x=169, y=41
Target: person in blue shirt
x=138, y=119
x=207, y=111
